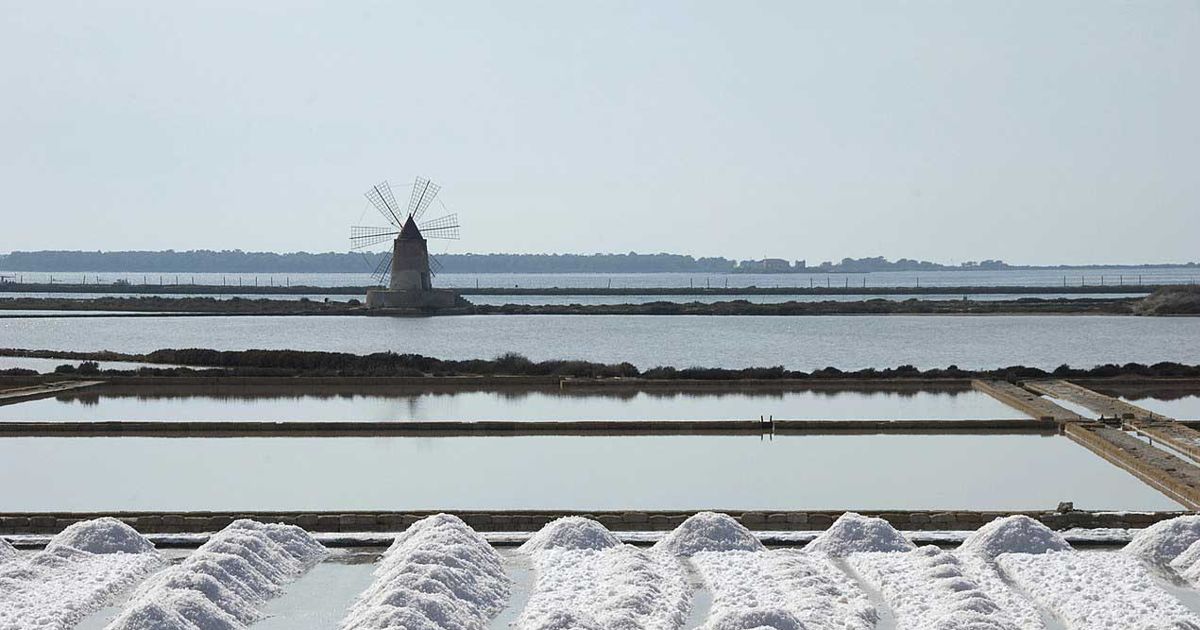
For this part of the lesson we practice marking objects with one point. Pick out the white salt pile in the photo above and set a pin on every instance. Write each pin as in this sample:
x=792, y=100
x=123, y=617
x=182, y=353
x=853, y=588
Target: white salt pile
x=1162, y=542
x=1187, y=564
x=756, y=619
x=853, y=532
x=781, y=589
x=103, y=535
x=1097, y=590
x=223, y=584
x=57, y=587
x=438, y=574
x=708, y=531
x=1012, y=534
x=571, y=532
x=617, y=587
x=927, y=588
x=7, y=551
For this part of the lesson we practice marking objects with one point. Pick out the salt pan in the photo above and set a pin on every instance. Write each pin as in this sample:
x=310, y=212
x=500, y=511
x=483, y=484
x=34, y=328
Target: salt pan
x=1162, y=542
x=853, y=532
x=708, y=531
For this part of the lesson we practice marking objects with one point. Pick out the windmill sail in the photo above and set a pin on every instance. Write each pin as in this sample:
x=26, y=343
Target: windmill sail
x=380, y=196
x=423, y=194
x=382, y=270
x=364, y=236
x=441, y=227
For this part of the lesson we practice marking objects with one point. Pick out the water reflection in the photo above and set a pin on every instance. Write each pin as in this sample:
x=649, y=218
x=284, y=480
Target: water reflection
x=517, y=404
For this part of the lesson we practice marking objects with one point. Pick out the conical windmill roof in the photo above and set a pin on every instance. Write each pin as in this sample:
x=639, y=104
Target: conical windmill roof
x=410, y=230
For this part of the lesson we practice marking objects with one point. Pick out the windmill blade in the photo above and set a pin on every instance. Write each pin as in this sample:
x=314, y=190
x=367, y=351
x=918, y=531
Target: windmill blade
x=364, y=236
x=435, y=265
x=380, y=196
x=441, y=227
x=423, y=194
x=382, y=270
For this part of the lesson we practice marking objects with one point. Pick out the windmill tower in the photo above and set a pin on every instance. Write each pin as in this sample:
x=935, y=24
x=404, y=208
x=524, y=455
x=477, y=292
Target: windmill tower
x=406, y=269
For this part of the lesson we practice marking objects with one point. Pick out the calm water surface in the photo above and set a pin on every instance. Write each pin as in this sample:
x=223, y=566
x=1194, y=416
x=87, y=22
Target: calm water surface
x=847, y=342
x=1182, y=408
x=48, y=365
x=923, y=405
x=1003, y=472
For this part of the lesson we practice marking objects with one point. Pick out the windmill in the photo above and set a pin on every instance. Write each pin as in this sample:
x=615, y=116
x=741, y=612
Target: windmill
x=407, y=266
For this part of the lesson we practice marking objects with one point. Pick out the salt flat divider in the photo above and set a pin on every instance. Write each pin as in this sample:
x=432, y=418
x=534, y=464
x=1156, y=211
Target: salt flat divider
x=510, y=521
x=401, y=428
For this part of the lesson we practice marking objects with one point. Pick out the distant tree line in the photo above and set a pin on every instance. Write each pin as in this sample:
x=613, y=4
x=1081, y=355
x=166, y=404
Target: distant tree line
x=205, y=362
x=238, y=261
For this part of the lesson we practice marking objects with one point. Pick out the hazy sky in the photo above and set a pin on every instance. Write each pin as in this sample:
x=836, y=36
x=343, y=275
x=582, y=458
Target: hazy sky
x=1033, y=131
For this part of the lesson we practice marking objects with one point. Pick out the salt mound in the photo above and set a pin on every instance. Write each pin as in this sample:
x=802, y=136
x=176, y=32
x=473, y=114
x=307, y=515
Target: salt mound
x=1013, y=534
x=1187, y=564
x=708, y=531
x=853, y=533
x=223, y=583
x=7, y=551
x=102, y=535
x=297, y=542
x=563, y=620
x=929, y=588
x=571, y=532
x=1163, y=542
x=616, y=587
x=438, y=574
x=754, y=619
x=83, y=569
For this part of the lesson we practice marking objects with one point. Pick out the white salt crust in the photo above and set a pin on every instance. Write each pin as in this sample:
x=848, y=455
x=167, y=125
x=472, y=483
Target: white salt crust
x=438, y=574
x=57, y=587
x=1162, y=542
x=853, y=532
x=928, y=589
x=224, y=583
x=781, y=589
x=708, y=531
x=1097, y=590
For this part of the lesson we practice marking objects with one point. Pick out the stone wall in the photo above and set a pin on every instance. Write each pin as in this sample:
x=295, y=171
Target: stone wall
x=500, y=521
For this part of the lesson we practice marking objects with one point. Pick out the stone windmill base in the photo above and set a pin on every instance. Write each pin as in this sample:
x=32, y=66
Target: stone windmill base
x=415, y=298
